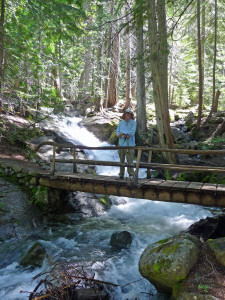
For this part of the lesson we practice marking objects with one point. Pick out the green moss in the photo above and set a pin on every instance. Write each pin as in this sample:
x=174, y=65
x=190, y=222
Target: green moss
x=177, y=289
x=106, y=201
x=213, y=243
x=157, y=267
x=163, y=241
x=170, y=249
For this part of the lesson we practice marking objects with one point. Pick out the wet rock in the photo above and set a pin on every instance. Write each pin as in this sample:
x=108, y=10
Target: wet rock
x=168, y=262
x=216, y=120
x=190, y=118
x=209, y=228
x=218, y=248
x=194, y=296
x=35, y=256
x=7, y=231
x=179, y=136
x=193, y=145
x=121, y=240
x=102, y=128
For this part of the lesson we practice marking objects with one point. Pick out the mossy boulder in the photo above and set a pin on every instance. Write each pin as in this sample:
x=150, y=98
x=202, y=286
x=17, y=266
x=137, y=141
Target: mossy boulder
x=218, y=248
x=168, y=262
x=101, y=127
x=35, y=256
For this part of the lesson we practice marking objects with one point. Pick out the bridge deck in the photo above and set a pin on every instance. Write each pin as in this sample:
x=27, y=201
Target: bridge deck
x=206, y=194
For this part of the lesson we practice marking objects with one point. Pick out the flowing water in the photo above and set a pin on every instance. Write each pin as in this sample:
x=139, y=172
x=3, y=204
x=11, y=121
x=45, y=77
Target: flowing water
x=88, y=242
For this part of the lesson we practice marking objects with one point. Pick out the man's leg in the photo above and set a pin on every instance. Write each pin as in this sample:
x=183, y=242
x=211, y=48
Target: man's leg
x=130, y=160
x=122, y=160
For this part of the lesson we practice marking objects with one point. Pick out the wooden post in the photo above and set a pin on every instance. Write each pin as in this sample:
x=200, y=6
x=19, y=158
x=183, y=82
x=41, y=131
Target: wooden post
x=74, y=163
x=53, y=160
x=149, y=161
x=135, y=178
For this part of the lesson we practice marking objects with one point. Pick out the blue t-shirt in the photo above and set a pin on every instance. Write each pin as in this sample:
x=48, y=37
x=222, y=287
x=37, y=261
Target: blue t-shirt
x=127, y=127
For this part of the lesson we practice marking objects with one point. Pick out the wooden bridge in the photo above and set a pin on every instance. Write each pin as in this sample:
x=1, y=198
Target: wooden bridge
x=206, y=194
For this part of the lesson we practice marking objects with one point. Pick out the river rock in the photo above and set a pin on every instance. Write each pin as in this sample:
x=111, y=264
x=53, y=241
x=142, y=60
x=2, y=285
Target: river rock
x=194, y=296
x=218, y=248
x=193, y=145
x=179, y=136
x=168, y=262
x=102, y=128
x=190, y=118
x=209, y=228
x=35, y=256
x=121, y=240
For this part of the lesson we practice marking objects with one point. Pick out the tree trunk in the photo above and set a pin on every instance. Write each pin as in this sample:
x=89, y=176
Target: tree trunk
x=159, y=65
x=203, y=52
x=60, y=68
x=109, y=63
x=200, y=93
x=2, y=39
x=216, y=102
x=99, y=103
x=128, y=65
x=141, y=99
x=214, y=105
x=114, y=72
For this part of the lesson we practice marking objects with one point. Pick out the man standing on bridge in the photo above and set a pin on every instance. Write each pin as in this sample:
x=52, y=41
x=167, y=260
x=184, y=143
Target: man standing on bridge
x=126, y=134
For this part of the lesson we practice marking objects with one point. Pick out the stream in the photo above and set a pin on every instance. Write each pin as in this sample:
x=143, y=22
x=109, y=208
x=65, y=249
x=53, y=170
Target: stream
x=87, y=242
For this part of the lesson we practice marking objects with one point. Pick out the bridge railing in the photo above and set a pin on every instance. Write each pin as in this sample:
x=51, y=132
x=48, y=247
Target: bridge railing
x=57, y=148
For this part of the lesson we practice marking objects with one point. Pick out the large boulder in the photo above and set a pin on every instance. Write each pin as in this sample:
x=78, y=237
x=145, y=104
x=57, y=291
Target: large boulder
x=190, y=118
x=194, y=296
x=121, y=240
x=209, y=228
x=35, y=256
x=168, y=262
x=179, y=136
x=102, y=128
x=218, y=248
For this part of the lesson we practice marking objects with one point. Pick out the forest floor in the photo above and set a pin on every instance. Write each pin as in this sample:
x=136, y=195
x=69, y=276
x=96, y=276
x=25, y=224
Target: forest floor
x=207, y=277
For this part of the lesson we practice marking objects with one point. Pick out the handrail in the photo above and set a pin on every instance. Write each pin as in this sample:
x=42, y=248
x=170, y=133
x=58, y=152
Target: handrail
x=137, y=165
x=179, y=151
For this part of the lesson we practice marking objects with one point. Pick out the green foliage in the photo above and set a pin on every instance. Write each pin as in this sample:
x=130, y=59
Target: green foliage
x=203, y=288
x=38, y=193
x=168, y=177
x=215, y=143
x=201, y=177
x=106, y=201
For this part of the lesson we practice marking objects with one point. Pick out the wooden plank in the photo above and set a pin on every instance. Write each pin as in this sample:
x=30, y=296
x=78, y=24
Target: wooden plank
x=149, y=161
x=220, y=189
x=194, y=186
x=180, y=185
x=53, y=160
x=154, y=182
x=209, y=187
x=182, y=151
x=167, y=184
x=74, y=163
x=181, y=168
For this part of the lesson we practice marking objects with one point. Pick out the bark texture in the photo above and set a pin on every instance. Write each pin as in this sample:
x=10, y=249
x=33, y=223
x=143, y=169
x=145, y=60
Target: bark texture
x=159, y=64
x=140, y=92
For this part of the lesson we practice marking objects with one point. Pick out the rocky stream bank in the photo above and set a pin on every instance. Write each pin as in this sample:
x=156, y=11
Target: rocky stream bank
x=173, y=266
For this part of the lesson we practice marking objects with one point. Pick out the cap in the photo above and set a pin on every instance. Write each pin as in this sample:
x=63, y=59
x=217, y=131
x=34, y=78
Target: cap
x=128, y=110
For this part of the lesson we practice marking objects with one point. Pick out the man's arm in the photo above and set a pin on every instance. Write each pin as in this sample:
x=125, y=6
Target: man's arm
x=118, y=131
